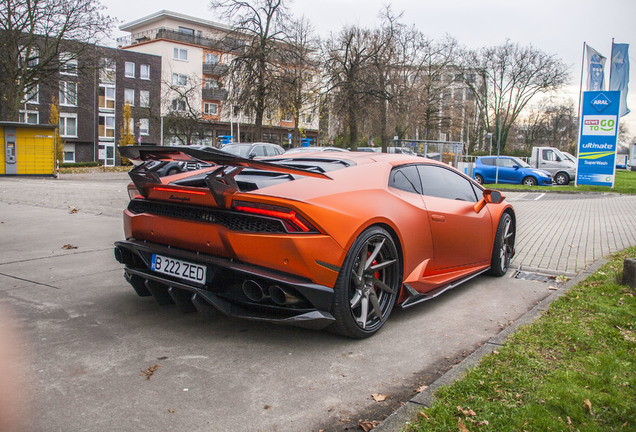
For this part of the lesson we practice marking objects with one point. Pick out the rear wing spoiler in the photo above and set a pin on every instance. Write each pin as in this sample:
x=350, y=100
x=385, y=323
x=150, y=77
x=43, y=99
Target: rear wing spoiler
x=220, y=181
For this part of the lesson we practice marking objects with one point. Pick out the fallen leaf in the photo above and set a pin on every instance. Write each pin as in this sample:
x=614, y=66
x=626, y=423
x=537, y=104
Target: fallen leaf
x=171, y=411
x=150, y=371
x=462, y=426
x=466, y=412
x=588, y=405
x=422, y=414
x=368, y=425
x=569, y=420
x=69, y=246
x=379, y=397
x=73, y=210
x=421, y=389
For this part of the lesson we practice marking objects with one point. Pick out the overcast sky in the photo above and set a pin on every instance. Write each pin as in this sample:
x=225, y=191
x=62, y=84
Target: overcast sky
x=558, y=27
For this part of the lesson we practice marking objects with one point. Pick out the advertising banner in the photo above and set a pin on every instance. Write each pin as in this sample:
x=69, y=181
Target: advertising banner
x=597, y=138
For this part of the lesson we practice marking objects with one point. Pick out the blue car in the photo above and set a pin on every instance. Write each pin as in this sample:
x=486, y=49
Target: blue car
x=511, y=170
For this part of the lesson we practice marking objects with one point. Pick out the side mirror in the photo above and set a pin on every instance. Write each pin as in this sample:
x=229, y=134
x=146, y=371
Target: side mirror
x=490, y=197
x=516, y=167
x=251, y=156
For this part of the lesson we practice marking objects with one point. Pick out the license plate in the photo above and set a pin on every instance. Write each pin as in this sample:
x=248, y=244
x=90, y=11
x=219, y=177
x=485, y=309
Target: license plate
x=178, y=268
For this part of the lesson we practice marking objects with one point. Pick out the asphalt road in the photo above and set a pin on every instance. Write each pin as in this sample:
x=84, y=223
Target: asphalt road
x=88, y=344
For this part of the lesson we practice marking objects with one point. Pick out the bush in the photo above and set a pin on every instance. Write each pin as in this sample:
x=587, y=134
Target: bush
x=80, y=164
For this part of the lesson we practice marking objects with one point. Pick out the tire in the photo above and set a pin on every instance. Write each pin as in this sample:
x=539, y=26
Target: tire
x=479, y=179
x=529, y=181
x=503, y=247
x=561, y=178
x=368, y=285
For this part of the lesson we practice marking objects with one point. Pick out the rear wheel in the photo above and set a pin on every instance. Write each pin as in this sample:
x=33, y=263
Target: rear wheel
x=479, y=179
x=503, y=247
x=530, y=181
x=368, y=285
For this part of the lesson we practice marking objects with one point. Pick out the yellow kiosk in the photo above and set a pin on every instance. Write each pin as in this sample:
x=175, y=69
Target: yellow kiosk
x=27, y=149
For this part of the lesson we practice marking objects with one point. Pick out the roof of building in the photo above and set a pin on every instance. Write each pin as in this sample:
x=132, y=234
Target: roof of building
x=149, y=19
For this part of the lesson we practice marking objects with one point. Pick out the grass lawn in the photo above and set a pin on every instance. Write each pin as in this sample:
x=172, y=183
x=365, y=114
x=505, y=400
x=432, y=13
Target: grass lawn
x=625, y=183
x=572, y=369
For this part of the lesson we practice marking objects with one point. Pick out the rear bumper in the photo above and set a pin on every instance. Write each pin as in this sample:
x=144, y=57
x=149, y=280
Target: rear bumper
x=286, y=299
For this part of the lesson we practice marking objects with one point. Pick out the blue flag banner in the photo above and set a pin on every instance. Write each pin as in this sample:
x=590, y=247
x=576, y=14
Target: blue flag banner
x=619, y=74
x=597, y=138
x=595, y=70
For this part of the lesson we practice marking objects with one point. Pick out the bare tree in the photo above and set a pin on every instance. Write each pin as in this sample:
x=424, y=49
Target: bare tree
x=182, y=96
x=36, y=41
x=255, y=72
x=505, y=78
x=300, y=85
x=346, y=60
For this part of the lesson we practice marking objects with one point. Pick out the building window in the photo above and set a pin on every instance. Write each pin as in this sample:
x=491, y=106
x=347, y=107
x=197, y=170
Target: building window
x=30, y=117
x=68, y=125
x=144, y=126
x=107, y=71
x=180, y=54
x=106, y=97
x=129, y=71
x=210, y=83
x=106, y=125
x=144, y=71
x=144, y=98
x=68, y=64
x=33, y=95
x=186, y=31
x=212, y=58
x=68, y=93
x=178, y=105
x=286, y=117
x=210, y=108
x=129, y=96
x=69, y=152
x=179, y=80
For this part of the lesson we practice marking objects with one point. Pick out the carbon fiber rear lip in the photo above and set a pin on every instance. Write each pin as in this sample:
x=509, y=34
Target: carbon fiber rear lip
x=318, y=295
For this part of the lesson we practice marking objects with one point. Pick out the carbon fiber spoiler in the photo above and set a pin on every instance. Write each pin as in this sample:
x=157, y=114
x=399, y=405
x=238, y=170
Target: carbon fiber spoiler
x=220, y=182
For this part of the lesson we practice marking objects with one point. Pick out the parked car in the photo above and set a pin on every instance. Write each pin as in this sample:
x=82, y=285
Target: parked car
x=323, y=240
x=314, y=148
x=253, y=150
x=176, y=167
x=390, y=149
x=511, y=170
x=550, y=159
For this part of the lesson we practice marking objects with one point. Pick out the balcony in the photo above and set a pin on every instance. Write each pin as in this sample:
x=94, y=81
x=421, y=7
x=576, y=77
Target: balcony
x=222, y=44
x=216, y=69
x=214, y=94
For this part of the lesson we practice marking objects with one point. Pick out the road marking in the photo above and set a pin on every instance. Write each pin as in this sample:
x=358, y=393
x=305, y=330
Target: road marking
x=539, y=197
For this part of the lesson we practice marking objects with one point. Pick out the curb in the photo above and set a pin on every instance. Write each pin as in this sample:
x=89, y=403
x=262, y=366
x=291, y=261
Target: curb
x=407, y=413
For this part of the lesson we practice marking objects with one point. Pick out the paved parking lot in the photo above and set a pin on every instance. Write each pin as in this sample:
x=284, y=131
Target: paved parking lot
x=86, y=338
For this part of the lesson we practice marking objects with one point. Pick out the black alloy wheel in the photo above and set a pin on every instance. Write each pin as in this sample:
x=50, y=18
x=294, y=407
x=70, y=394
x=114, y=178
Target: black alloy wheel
x=503, y=247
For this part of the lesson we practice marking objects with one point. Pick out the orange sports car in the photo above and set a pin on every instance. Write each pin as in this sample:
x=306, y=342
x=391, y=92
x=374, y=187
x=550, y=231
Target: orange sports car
x=319, y=240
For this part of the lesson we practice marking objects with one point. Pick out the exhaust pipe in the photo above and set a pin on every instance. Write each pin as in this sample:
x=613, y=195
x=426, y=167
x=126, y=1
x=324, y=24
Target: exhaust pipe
x=253, y=290
x=282, y=297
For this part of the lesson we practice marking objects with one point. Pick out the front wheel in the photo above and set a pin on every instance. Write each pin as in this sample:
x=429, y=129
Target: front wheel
x=503, y=247
x=530, y=181
x=368, y=285
x=479, y=179
x=561, y=178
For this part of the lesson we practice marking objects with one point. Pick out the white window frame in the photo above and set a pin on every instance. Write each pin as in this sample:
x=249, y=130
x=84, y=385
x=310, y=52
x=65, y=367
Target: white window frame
x=107, y=70
x=68, y=64
x=180, y=54
x=129, y=96
x=144, y=98
x=144, y=71
x=144, y=126
x=35, y=98
x=210, y=83
x=108, y=126
x=25, y=115
x=127, y=72
x=67, y=90
x=176, y=105
x=108, y=89
x=179, y=80
x=64, y=117
x=209, y=56
x=207, y=108
x=69, y=148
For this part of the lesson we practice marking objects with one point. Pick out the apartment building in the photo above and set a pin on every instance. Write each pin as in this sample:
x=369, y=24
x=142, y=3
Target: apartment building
x=91, y=93
x=195, y=55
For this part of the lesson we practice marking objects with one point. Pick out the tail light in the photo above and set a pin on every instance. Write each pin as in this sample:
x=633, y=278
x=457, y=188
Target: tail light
x=293, y=222
x=133, y=192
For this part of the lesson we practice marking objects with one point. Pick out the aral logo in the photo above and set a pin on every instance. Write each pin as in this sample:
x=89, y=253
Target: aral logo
x=601, y=102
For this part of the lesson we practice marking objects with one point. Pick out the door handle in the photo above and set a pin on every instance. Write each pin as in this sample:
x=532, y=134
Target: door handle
x=438, y=218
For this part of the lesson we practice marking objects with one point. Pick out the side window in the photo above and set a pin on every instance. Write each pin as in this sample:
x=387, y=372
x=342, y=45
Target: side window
x=406, y=178
x=549, y=155
x=259, y=151
x=505, y=162
x=488, y=161
x=441, y=182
